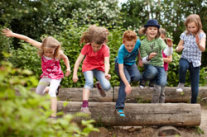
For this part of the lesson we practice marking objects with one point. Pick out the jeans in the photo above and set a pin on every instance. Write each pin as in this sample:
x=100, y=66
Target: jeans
x=194, y=77
x=155, y=73
x=105, y=84
x=132, y=74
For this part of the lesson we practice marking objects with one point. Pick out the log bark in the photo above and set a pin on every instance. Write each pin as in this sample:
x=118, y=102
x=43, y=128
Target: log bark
x=137, y=95
x=140, y=114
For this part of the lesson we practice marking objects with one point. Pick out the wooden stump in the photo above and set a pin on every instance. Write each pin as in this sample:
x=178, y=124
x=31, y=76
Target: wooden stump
x=140, y=114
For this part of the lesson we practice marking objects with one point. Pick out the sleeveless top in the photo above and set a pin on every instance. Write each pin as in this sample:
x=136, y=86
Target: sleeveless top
x=51, y=68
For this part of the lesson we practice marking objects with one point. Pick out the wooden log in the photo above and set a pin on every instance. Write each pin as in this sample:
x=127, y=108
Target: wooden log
x=137, y=94
x=140, y=114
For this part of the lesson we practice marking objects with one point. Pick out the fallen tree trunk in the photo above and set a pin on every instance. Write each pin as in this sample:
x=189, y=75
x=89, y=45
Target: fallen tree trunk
x=137, y=94
x=140, y=114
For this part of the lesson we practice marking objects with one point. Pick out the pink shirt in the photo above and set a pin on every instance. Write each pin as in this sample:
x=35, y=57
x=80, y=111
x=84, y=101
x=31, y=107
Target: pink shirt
x=165, y=64
x=51, y=68
x=94, y=60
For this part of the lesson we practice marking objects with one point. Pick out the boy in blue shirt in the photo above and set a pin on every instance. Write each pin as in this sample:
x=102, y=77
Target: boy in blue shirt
x=126, y=67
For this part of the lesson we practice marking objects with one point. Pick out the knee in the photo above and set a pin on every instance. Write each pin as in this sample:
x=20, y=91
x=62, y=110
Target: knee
x=136, y=77
x=106, y=87
x=89, y=84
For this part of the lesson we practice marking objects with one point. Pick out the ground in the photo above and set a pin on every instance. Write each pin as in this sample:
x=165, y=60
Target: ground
x=139, y=131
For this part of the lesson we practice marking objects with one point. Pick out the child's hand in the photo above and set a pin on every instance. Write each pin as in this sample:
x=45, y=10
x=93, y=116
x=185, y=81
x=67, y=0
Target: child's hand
x=67, y=72
x=197, y=39
x=128, y=89
x=108, y=76
x=75, y=78
x=7, y=32
x=152, y=55
x=140, y=63
x=179, y=48
x=169, y=42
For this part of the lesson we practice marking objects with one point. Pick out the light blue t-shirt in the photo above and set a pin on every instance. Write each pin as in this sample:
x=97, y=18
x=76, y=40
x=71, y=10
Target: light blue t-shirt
x=128, y=58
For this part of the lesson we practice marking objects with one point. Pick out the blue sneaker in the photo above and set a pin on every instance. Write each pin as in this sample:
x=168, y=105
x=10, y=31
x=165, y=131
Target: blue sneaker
x=120, y=112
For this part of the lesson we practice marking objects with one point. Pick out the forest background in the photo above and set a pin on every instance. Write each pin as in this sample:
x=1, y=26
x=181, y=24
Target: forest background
x=66, y=20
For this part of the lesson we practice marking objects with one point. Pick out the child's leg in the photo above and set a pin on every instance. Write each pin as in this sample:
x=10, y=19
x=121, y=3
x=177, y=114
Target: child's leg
x=134, y=73
x=184, y=66
x=86, y=90
x=159, y=95
x=54, y=83
x=120, y=103
x=194, y=75
x=105, y=84
x=43, y=83
x=150, y=72
x=162, y=95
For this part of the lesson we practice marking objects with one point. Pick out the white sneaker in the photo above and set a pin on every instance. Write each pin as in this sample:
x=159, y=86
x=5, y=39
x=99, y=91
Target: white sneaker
x=179, y=90
x=142, y=87
x=180, y=87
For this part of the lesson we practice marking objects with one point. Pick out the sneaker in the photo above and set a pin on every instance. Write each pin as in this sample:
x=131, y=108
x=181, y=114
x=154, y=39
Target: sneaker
x=58, y=90
x=120, y=112
x=142, y=84
x=85, y=110
x=180, y=87
x=101, y=91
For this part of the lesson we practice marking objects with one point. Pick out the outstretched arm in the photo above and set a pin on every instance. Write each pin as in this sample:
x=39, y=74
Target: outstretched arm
x=180, y=46
x=7, y=32
x=75, y=70
x=67, y=64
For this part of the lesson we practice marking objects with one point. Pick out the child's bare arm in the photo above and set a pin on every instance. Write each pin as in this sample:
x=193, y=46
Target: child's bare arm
x=67, y=64
x=201, y=43
x=7, y=32
x=168, y=59
x=75, y=70
x=180, y=46
x=107, y=67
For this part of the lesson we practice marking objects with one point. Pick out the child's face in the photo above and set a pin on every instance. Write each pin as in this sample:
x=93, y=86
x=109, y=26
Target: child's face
x=151, y=32
x=96, y=47
x=192, y=27
x=162, y=36
x=129, y=45
x=49, y=52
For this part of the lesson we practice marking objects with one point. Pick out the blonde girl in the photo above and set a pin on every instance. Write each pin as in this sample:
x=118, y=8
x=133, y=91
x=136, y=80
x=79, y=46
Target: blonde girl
x=96, y=63
x=192, y=43
x=50, y=53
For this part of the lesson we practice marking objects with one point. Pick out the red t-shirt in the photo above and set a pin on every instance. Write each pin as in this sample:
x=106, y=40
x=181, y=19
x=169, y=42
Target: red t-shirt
x=94, y=60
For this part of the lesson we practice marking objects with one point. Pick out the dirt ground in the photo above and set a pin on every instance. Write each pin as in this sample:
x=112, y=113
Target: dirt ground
x=139, y=131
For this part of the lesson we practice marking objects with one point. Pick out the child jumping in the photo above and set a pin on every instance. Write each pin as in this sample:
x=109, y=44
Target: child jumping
x=50, y=53
x=126, y=68
x=96, y=63
x=151, y=53
x=192, y=43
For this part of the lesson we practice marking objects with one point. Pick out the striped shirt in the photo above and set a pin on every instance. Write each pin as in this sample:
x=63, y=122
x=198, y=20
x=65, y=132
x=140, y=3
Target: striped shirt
x=191, y=52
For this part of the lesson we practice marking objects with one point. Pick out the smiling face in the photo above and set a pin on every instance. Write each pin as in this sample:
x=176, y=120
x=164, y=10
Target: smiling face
x=96, y=47
x=151, y=32
x=192, y=27
x=129, y=45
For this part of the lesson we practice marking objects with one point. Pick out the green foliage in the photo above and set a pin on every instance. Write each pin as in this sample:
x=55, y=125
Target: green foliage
x=24, y=113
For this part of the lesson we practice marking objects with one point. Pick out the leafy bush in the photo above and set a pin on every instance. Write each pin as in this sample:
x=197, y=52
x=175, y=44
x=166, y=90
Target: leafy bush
x=25, y=113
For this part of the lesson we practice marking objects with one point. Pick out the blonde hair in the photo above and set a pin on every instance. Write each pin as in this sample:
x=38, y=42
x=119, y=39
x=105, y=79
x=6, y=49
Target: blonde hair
x=50, y=42
x=163, y=31
x=95, y=34
x=196, y=19
x=143, y=30
x=129, y=35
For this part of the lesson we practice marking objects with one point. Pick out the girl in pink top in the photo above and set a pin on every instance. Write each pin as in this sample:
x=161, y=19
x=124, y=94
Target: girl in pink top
x=96, y=63
x=50, y=53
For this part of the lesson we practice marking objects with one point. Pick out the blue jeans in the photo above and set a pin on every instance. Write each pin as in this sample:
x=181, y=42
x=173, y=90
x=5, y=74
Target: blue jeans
x=132, y=74
x=155, y=73
x=194, y=77
x=105, y=84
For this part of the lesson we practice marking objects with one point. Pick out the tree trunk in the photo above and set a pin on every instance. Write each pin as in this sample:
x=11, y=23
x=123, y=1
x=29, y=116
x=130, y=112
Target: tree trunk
x=137, y=95
x=139, y=114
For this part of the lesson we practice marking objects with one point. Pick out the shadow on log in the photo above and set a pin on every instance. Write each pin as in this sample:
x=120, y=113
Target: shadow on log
x=137, y=95
x=140, y=114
